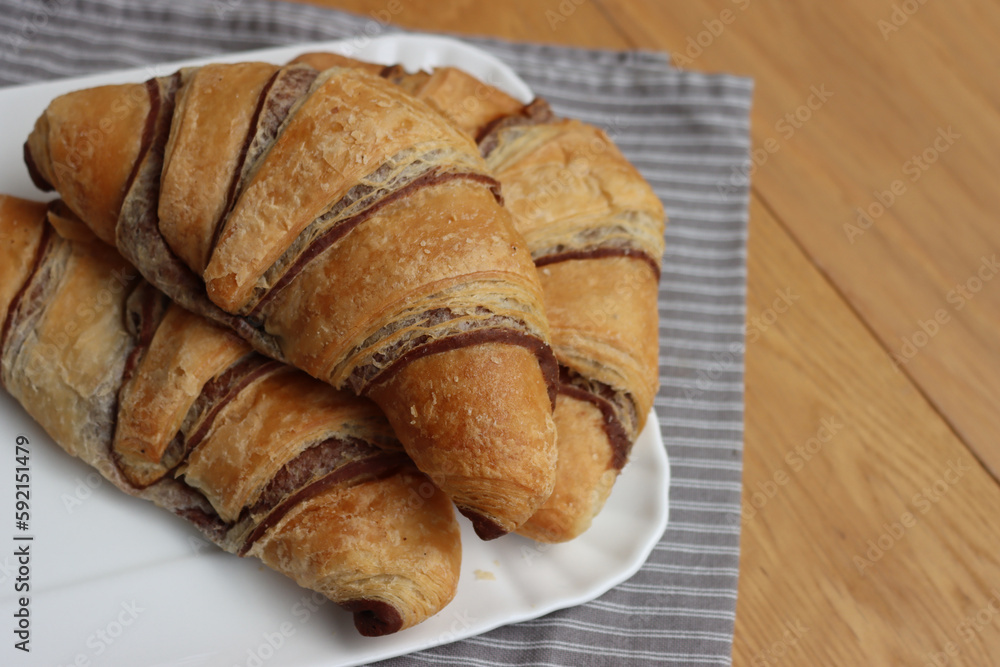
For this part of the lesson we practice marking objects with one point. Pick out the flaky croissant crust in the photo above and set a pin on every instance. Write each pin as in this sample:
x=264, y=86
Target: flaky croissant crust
x=339, y=224
x=595, y=231
x=265, y=460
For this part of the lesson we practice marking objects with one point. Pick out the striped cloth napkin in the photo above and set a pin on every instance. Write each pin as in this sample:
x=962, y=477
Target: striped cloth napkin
x=688, y=133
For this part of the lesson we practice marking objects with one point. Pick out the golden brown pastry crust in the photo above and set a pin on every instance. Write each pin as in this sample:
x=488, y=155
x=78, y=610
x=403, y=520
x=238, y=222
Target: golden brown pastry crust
x=214, y=113
x=85, y=146
x=570, y=190
x=65, y=347
x=477, y=270
x=584, y=476
x=67, y=224
x=345, y=176
x=347, y=548
x=307, y=170
x=325, y=60
x=603, y=314
x=185, y=353
x=510, y=490
x=462, y=98
x=273, y=463
x=595, y=231
x=20, y=245
x=266, y=425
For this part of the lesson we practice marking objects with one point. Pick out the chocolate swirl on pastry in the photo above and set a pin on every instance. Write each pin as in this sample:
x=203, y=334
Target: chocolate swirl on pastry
x=595, y=231
x=263, y=459
x=317, y=215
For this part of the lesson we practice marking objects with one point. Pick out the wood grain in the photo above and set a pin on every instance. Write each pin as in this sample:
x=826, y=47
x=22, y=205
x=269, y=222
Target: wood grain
x=871, y=526
x=892, y=99
x=839, y=448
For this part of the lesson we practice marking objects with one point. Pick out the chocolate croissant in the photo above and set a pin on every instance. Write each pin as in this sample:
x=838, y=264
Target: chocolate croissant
x=263, y=459
x=340, y=225
x=467, y=102
x=595, y=231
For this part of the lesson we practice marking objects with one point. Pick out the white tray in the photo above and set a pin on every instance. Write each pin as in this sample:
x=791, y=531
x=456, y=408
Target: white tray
x=117, y=581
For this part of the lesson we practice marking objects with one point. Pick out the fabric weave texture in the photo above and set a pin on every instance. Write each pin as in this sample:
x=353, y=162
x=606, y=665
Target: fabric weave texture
x=688, y=133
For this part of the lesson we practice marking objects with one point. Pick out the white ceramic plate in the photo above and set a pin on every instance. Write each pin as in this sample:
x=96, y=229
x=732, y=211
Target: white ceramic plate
x=117, y=581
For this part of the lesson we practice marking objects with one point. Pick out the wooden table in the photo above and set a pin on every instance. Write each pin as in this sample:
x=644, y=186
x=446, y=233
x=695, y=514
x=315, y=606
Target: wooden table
x=871, y=531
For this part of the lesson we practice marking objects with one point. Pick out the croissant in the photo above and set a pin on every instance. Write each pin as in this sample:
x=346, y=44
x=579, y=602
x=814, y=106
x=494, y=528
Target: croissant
x=595, y=231
x=342, y=226
x=263, y=459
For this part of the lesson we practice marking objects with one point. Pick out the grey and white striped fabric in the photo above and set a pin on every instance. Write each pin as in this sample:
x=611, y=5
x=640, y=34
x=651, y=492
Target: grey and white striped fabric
x=689, y=135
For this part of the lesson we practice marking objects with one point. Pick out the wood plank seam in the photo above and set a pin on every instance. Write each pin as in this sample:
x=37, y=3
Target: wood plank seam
x=762, y=200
